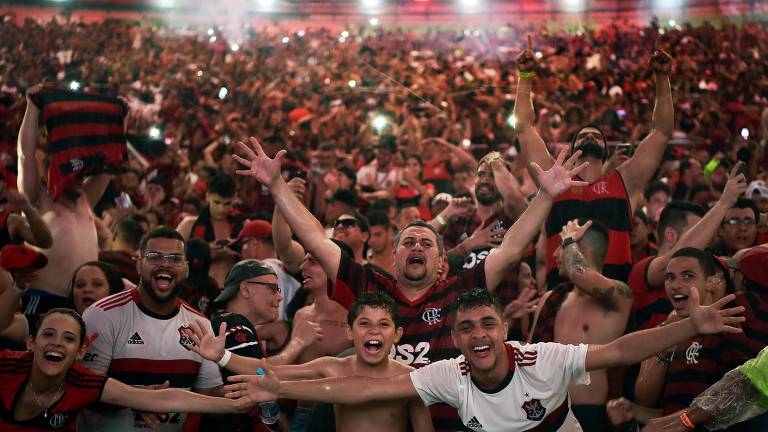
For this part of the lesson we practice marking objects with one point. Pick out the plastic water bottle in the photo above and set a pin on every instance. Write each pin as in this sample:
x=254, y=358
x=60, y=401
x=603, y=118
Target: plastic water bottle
x=269, y=411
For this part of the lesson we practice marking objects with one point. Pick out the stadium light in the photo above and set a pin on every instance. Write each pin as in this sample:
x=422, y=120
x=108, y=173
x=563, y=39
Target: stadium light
x=469, y=6
x=74, y=85
x=379, y=122
x=374, y=22
x=573, y=6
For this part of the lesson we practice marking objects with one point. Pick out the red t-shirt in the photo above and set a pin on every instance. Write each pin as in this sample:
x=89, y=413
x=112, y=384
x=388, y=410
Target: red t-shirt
x=651, y=306
x=81, y=388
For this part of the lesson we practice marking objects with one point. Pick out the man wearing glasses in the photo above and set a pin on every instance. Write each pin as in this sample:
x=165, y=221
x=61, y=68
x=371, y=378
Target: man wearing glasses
x=352, y=229
x=141, y=337
x=739, y=228
x=251, y=298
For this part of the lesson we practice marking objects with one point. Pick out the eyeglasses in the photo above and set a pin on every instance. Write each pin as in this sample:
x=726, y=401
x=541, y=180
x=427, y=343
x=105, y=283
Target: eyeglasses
x=346, y=223
x=747, y=221
x=158, y=258
x=272, y=287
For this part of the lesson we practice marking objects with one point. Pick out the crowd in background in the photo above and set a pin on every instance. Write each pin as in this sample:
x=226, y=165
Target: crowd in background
x=384, y=127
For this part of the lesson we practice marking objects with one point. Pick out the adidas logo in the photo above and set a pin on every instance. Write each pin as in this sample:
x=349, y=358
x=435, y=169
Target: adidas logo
x=135, y=339
x=474, y=423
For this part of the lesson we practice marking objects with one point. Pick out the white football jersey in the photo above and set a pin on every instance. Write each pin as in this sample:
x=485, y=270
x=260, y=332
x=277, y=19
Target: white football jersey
x=131, y=344
x=533, y=396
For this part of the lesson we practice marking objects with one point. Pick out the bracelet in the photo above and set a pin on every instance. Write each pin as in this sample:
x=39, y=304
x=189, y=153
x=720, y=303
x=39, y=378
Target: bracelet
x=687, y=421
x=441, y=220
x=564, y=243
x=224, y=359
x=526, y=74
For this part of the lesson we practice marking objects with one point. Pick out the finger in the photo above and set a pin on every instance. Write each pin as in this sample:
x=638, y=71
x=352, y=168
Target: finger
x=579, y=183
x=530, y=42
x=735, y=170
x=723, y=301
x=734, y=320
x=571, y=160
x=560, y=157
x=243, y=172
x=255, y=143
x=247, y=150
x=536, y=169
x=731, y=329
x=223, y=329
x=279, y=156
x=233, y=395
x=587, y=225
x=732, y=311
x=695, y=298
x=241, y=160
x=578, y=169
x=238, y=378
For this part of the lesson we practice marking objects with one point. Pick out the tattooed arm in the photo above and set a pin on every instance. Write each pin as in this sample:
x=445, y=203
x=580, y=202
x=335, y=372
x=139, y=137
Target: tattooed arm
x=613, y=294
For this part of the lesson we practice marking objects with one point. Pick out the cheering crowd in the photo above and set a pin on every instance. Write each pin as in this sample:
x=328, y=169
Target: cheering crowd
x=516, y=229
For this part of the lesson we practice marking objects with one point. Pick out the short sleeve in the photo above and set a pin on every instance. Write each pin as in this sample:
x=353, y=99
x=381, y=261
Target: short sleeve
x=563, y=365
x=209, y=375
x=100, y=338
x=438, y=382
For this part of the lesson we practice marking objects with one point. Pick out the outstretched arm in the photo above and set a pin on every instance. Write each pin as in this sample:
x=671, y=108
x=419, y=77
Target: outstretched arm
x=532, y=146
x=166, y=400
x=700, y=235
x=249, y=389
x=307, y=227
x=635, y=347
x=553, y=182
x=613, y=294
x=637, y=171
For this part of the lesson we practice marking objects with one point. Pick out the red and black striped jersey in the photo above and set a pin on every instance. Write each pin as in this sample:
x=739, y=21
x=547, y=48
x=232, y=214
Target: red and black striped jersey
x=651, y=305
x=81, y=388
x=605, y=200
x=426, y=321
x=702, y=360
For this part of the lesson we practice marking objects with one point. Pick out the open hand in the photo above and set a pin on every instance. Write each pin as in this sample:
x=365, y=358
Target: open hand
x=714, y=319
x=262, y=167
x=251, y=389
x=619, y=411
x=573, y=230
x=523, y=305
x=559, y=178
x=206, y=344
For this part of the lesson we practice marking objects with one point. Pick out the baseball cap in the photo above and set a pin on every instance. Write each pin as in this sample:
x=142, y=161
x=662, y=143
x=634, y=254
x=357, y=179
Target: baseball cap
x=753, y=264
x=256, y=228
x=15, y=257
x=242, y=270
x=757, y=187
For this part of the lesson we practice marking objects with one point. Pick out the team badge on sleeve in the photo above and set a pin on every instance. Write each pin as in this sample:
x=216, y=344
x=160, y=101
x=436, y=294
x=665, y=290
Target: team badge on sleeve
x=185, y=336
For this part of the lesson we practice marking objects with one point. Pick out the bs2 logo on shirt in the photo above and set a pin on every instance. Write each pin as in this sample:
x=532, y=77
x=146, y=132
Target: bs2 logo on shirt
x=410, y=355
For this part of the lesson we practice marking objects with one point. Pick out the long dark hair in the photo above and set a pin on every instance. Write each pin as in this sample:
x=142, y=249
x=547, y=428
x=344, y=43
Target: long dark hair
x=68, y=312
x=111, y=274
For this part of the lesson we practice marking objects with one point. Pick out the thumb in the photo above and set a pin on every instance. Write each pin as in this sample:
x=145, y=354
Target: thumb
x=537, y=169
x=694, y=299
x=223, y=329
x=279, y=156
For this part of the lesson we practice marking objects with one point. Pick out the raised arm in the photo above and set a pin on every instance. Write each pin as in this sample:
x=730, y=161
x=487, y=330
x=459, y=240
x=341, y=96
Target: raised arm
x=307, y=227
x=94, y=187
x=532, y=146
x=613, y=294
x=552, y=183
x=29, y=178
x=290, y=252
x=166, y=400
x=700, y=235
x=637, y=171
x=509, y=188
x=635, y=347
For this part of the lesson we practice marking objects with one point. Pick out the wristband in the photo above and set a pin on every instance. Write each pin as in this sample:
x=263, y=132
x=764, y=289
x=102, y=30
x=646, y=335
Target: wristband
x=441, y=220
x=530, y=74
x=564, y=243
x=224, y=359
x=687, y=422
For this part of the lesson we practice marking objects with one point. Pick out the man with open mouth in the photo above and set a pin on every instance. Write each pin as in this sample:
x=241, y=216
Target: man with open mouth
x=422, y=295
x=141, y=337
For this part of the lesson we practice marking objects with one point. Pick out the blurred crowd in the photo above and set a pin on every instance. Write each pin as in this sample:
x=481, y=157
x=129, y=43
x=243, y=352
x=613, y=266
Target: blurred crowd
x=385, y=127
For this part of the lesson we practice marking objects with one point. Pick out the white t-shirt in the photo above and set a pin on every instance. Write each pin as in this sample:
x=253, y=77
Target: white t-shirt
x=128, y=343
x=287, y=283
x=533, y=394
x=370, y=176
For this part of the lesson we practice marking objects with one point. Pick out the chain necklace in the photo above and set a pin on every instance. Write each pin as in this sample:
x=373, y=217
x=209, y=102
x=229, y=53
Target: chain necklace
x=53, y=399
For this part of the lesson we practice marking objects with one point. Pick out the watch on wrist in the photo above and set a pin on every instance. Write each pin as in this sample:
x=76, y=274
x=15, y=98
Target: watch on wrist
x=567, y=241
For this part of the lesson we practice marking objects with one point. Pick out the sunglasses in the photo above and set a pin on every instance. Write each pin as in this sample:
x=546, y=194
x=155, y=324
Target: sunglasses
x=346, y=223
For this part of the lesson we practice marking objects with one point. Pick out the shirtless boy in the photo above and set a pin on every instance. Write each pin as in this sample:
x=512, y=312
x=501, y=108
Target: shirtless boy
x=373, y=328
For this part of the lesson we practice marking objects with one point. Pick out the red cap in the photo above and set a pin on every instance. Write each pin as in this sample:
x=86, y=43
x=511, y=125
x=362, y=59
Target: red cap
x=19, y=257
x=255, y=229
x=753, y=264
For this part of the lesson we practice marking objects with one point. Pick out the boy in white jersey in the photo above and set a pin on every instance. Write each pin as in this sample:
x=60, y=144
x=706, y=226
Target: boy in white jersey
x=142, y=337
x=497, y=386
